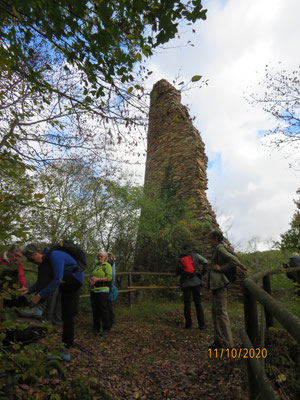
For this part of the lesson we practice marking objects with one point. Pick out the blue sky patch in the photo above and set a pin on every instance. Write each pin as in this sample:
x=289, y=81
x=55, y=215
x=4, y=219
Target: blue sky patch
x=215, y=162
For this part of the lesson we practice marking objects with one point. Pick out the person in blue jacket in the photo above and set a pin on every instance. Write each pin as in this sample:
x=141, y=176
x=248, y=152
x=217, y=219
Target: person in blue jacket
x=56, y=268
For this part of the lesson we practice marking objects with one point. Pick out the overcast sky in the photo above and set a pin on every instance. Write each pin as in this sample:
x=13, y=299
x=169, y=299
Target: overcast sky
x=251, y=187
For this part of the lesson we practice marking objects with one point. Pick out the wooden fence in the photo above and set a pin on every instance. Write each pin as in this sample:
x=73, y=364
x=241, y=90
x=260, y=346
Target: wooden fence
x=131, y=288
x=252, y=337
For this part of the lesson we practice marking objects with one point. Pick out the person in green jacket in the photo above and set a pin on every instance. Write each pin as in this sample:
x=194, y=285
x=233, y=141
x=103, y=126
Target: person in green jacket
x=99, y=290
x=222, y=272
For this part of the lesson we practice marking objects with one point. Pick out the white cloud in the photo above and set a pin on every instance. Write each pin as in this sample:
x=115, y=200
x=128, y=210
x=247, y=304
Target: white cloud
x=252, y=185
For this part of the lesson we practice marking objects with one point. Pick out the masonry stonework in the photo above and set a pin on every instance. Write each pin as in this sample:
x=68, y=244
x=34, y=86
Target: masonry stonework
x=174, y=141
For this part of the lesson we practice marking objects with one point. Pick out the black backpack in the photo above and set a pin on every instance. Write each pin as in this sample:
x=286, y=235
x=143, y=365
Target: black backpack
x=69, y=247
x=231, y=274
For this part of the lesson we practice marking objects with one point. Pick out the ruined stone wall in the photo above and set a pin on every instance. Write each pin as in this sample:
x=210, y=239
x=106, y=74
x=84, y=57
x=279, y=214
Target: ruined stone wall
x=173, y=140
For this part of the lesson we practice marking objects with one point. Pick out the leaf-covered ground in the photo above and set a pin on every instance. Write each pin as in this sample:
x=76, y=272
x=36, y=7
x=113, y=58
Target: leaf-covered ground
x=149, y=355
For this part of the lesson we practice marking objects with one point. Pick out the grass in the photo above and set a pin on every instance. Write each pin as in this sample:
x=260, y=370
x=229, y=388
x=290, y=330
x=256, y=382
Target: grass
x=292, y=303
x=280, y=282
x=149, y=310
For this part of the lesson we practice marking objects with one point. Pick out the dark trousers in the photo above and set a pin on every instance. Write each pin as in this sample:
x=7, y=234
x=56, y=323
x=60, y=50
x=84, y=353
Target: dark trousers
x=195, y=292
x=52, y=312
x=101, y=312
x=70, y=293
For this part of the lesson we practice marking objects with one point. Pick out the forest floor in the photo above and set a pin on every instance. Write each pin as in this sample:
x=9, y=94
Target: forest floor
x=149, y=355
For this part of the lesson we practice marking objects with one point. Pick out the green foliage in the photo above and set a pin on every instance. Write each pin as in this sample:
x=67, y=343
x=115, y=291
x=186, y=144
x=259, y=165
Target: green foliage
x=167, y=223
x=22, y=364
x=68, y=71
x=266, y=260
x=36, y=367
x=95, y=212
x=282, y=365
x=78, y=389
x=105, y=38
x=291, y=301
x=16, y=196
x=72, y=77
x=263, y=260
x=151, y=310
x=290, y=240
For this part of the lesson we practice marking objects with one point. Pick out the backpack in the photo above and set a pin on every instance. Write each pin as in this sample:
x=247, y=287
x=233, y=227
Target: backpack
x=187, y=265
x=231, y=275
x=113, y=293
x=69, y=247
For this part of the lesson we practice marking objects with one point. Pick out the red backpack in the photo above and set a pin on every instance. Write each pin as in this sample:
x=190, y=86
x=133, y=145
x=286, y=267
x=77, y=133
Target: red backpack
x=187, y=264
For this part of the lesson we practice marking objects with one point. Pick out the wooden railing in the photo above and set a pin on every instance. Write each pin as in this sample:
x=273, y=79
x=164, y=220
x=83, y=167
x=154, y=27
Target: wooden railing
x=131, y=288
x=259, y=385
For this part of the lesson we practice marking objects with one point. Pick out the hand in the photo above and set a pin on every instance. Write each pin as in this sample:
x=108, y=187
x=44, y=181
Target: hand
x=93, y=280
x=23, y=291
x=216, y=267
x=35, y=300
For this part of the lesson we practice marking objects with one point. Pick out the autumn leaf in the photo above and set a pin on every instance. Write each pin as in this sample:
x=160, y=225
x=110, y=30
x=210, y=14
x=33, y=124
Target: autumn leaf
x=281, y=378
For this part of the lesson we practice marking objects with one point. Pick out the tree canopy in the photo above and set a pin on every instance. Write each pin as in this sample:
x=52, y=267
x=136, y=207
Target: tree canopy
x=71, y=72
x=71, y=80
x=290, y=240
x=103, y=39
x=97, y=213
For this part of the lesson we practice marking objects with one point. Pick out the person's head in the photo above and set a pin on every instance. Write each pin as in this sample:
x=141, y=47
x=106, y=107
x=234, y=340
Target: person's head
x=110, y=257
x=295, y=254
x=187, y=249
x=34, y=253
x=215, y=237
x=102, y=256
x=14, y=254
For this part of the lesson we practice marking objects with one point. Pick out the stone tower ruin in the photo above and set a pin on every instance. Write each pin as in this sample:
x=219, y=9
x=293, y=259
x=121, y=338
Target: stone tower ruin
x=174, y=141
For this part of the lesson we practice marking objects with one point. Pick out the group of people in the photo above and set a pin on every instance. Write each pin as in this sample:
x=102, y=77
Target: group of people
x=220, y=274
x=60, y=279
x=59, y=274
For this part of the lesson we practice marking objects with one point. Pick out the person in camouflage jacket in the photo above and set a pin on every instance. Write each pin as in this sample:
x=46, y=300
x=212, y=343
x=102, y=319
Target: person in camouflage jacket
x=222, y=272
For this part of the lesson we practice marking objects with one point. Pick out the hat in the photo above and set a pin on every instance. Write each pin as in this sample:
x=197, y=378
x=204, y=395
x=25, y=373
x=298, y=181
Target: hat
x=31, y=249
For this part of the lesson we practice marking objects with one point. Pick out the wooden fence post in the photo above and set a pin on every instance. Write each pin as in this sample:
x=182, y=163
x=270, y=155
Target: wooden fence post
x=262, y=388
x=250, y=313
x=267, y=288
x=251, y=326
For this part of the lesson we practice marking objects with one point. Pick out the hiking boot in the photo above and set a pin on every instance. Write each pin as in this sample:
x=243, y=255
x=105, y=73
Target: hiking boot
x=105, y=333
x=34, y=312
x=203, y=327
x=188, y=326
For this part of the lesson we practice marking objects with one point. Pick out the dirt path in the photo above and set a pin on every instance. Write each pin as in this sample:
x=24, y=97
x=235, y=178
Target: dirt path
x=157, y=359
